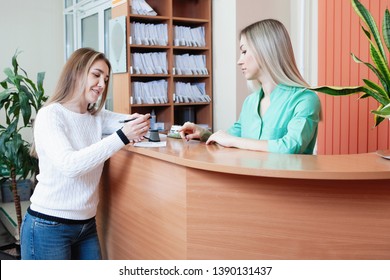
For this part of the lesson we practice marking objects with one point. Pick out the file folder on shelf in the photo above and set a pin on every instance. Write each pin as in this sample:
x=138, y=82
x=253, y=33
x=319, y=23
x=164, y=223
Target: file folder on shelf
x=149, y=34
x=154, y=92
x=187, y=92
x=189, y=37
x=140, y=7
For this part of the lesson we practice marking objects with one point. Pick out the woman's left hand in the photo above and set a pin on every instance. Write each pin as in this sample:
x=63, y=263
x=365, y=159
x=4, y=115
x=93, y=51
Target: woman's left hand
x=222, y=138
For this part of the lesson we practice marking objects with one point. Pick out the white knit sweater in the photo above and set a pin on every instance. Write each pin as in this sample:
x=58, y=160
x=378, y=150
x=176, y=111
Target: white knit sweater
x=71, y=155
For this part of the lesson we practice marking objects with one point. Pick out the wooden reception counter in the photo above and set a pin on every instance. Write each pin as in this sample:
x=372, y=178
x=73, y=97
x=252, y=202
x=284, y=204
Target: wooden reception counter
x=192, y=201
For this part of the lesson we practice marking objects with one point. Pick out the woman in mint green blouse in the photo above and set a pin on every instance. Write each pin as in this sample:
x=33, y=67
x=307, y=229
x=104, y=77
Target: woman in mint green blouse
x=282, y=115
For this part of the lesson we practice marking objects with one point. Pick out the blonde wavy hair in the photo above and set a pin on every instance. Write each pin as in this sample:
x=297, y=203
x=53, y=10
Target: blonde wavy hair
x=271, y=45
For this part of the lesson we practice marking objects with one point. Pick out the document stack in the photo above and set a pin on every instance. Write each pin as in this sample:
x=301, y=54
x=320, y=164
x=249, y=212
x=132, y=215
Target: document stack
x=189, y=37
x=187, y=64
x=154, y=92
x=149, y=63
x=140, y=7
x=149, y=34
x=187, y=92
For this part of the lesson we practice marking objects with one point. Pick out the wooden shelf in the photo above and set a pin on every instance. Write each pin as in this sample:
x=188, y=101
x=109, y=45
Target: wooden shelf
x=189, y=20
x=190, y=13
x=148, y=18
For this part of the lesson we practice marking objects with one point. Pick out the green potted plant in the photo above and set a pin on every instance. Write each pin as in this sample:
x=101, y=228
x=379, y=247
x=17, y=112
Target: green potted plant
x=380, y=66
x=19, y=98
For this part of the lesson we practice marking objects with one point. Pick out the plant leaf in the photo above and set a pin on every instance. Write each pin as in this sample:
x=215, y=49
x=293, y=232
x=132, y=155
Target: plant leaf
x=384, y=112
x=10, y=75
x=25, y=107
x=368, y=34
x=377, y=88
x=4, y=96
x=31, y=83
x=4, y=84
x=338, y=91
x=380, y=63
x=374, y=70
x=378, y=119
x=374, y=94
x=367, y=18
x=40, y=94
x=365, y=95
x=15, y=61
x=386, y=29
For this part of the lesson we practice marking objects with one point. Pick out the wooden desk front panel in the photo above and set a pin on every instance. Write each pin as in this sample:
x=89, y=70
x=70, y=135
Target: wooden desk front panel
x=153, y=209
x=243, y=217
x=142, y=212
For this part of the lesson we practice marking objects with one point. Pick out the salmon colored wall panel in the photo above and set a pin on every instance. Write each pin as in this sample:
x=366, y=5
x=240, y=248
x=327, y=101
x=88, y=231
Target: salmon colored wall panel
x=336, y=115
x=321, y=72
x=345, y=79
x=364, y=113
x=372, y=139
x=354, y=80
x=383, y=130
x=328, y=116
x=347, y=125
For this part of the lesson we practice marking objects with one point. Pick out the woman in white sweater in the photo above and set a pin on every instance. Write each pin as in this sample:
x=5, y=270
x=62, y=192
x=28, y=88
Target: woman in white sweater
x=60, y=222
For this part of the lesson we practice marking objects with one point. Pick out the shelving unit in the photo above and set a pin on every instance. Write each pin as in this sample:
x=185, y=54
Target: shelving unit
x=188, y=13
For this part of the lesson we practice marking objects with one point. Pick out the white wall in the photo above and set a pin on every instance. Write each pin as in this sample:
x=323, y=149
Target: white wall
x=224, y=63
x=36, y=29
x=304, y=37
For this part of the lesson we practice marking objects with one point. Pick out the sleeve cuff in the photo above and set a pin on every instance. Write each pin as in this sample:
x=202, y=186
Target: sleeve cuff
x=122, y=136
x=205, y=136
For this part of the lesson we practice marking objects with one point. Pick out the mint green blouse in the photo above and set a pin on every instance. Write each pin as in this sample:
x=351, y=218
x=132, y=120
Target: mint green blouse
x=289, y=124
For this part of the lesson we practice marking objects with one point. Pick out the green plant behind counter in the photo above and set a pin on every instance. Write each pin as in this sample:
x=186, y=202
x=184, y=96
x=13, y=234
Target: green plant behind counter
x=380, y=67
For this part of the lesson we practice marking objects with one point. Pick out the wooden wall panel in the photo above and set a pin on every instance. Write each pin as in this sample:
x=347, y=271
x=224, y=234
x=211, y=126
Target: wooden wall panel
x=347, y=125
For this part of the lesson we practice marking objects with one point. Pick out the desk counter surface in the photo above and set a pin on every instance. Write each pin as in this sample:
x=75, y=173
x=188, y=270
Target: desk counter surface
x=242, y=162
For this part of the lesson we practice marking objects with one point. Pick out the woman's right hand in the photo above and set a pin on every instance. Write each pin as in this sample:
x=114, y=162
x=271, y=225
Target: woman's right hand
x=190, y=131
x=135, y=130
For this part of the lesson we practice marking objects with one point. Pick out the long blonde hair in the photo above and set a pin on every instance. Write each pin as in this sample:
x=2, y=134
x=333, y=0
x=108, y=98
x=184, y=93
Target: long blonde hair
x=73, y=78
x=271, y=45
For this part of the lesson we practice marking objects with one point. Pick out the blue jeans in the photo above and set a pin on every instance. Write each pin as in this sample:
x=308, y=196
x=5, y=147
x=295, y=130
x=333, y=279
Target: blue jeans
x=42, y=239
